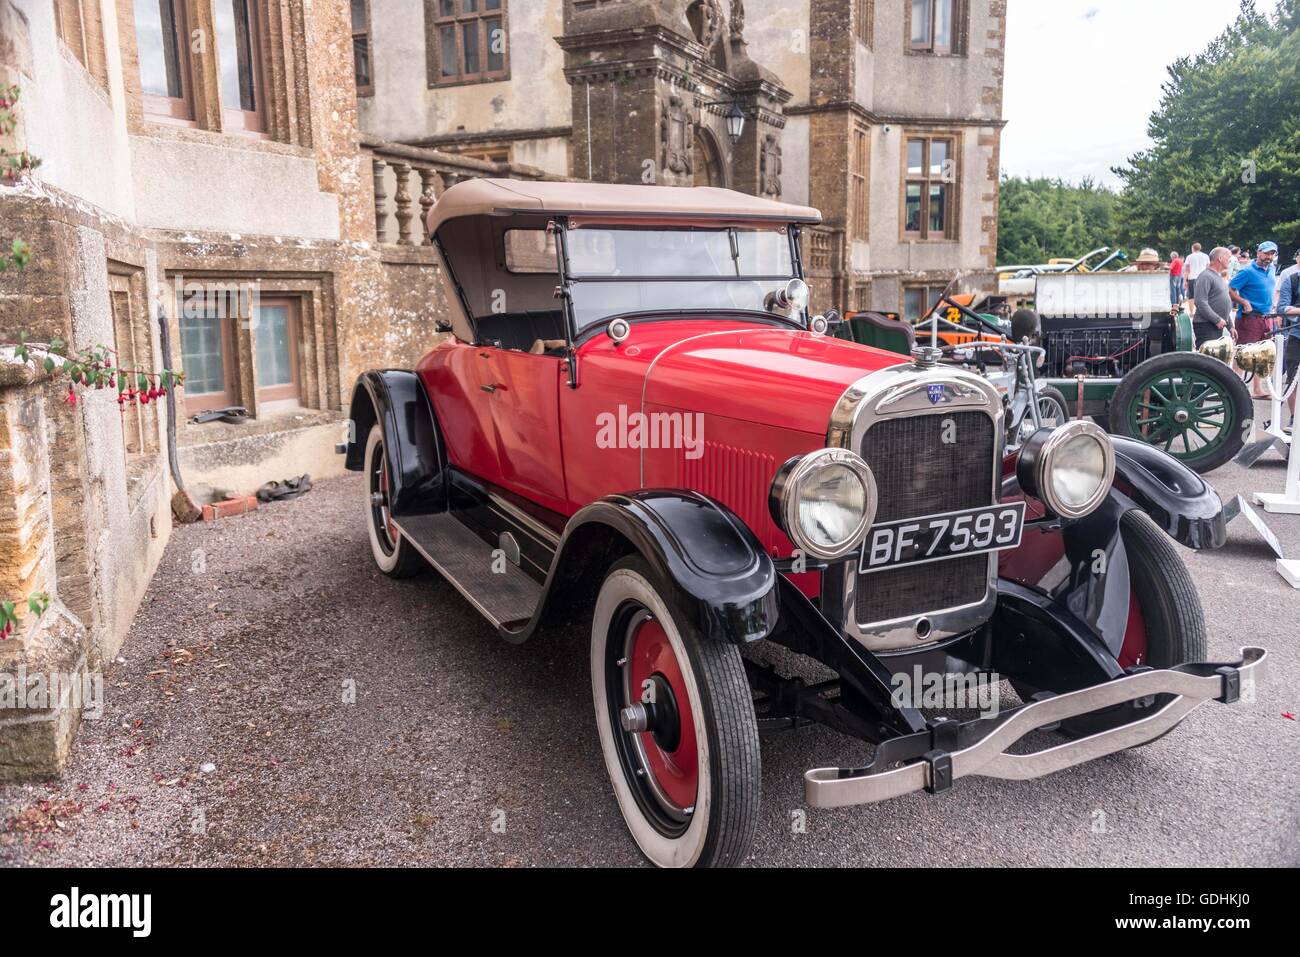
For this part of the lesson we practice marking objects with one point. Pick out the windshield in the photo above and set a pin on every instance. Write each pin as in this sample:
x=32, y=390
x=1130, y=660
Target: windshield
x=615, y=270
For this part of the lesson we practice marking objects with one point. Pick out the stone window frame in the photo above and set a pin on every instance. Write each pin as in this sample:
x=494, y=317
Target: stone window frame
x=317, y=337
x=434, y=20
x=282, y=46
x=864, y=21
x=960, y=29
x=133, y=345
x=79, y=25
x=859, y=165
x=168, y=109
x=952, y=226
x=367, y=35
x=235, y=119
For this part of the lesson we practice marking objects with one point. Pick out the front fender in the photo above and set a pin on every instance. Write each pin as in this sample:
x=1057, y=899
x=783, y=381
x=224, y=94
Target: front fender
x=1082, y=568
x=417, y=461
x=717, y=574
x=1176, y=498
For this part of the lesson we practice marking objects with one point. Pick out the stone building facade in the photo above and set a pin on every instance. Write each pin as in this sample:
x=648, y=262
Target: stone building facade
x=884, y=114
x=200, y=159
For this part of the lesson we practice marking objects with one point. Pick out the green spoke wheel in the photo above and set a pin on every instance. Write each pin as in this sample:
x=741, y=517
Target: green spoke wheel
x=1192, y=406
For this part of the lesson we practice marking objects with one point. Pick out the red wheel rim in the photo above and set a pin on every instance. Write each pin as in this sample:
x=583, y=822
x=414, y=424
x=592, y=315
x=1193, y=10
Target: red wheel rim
x=675, y=773
x=1134, y=650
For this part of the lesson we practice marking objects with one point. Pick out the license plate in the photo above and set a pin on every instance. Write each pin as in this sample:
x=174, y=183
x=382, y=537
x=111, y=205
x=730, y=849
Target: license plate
x=914, y=541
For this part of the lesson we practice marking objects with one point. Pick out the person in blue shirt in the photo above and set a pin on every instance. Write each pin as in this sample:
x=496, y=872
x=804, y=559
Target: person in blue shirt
x=1252, y=290
x=1288, y=308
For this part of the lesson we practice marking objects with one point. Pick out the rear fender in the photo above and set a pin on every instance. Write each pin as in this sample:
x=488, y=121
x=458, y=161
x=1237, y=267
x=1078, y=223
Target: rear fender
x=417, y=458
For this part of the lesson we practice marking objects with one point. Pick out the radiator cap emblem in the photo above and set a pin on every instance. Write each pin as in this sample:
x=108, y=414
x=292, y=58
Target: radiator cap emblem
x=935, y=391
x=926, y=357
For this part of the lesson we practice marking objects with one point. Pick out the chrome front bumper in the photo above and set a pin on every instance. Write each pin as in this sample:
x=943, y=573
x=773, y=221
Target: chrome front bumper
x=979, y=747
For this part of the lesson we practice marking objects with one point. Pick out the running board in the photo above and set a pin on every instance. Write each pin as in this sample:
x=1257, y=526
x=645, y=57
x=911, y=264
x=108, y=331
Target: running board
x=504, y=594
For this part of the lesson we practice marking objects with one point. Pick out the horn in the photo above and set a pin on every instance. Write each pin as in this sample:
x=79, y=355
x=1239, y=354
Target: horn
x=1220, y=348
x=1258, y=357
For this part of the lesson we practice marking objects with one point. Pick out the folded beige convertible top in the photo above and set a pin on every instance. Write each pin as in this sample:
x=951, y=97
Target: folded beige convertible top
x=476, y=197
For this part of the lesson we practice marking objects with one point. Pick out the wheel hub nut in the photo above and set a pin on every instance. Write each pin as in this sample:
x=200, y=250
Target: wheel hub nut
x=1181, y=416
x=634, y=718
x=376, y=498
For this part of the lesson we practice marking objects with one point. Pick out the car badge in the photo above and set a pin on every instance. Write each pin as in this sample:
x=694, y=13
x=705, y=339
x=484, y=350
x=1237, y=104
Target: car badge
x=935, y=392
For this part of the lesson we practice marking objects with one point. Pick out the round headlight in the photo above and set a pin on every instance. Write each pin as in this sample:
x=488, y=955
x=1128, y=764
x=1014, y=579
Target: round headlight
x=825, y=501
x=1069, y=468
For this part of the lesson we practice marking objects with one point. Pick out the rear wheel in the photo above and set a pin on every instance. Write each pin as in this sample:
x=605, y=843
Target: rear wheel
x=1190, y=405
x=394, y=555
x=676, y=724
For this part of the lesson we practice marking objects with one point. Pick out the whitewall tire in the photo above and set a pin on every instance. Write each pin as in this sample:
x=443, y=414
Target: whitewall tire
x=688, y=784
x=393, y=554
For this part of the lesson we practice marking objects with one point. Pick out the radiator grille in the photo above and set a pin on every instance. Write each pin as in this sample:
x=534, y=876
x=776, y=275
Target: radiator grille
x=918, y=473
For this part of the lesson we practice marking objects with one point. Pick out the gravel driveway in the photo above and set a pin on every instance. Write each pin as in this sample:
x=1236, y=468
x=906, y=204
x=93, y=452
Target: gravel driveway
x=280, y=702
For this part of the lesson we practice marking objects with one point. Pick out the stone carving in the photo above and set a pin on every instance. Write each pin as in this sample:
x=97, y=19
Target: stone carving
x=737, y=21
x=769, y=166
x=705, y=18
x=676, y=132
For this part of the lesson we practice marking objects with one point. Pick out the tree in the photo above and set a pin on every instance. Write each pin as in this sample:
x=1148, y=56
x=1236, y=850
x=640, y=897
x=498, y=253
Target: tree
x=1224, y=165
x=1044, y=218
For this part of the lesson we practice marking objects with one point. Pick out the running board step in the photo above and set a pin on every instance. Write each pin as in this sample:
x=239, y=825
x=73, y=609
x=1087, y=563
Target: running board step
x=504, y=597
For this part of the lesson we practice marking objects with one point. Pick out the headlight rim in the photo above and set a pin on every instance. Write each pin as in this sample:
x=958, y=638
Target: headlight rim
x=1033, y=468
x=783, y=499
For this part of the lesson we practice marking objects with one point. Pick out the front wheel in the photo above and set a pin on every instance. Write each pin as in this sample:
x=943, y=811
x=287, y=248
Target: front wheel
x=1166, y=625
x=676, y=724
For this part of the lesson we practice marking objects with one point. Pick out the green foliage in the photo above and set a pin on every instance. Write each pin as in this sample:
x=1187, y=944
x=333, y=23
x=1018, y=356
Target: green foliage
x=1041, y=219
x=1224, y=166
x=12, y=165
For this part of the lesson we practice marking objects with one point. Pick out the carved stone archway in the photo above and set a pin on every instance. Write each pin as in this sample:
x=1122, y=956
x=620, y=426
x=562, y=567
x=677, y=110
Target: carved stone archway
x=710, y=168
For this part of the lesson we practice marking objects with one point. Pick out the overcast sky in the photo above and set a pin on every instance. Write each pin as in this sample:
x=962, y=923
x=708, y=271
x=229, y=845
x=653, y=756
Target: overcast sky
x=1082, y=77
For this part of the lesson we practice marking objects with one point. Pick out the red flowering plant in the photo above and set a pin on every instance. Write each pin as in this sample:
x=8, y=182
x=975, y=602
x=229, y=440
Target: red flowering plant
x=92, y=368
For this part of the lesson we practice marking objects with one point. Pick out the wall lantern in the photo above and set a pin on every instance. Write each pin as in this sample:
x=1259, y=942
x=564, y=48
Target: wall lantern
x=734, y=119
x=735, y=123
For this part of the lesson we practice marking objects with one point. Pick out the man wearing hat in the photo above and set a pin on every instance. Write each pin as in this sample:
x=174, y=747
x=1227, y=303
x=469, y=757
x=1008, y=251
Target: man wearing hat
x=1252, y=290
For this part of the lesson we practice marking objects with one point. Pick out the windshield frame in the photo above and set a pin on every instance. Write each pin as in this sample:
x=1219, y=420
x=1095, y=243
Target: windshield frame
x=568, y=280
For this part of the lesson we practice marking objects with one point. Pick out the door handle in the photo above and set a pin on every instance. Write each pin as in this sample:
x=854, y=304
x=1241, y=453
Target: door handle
x=488, y=388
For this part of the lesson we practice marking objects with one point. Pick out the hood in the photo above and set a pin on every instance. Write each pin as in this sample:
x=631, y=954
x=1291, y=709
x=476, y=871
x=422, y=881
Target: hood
x=774, y=377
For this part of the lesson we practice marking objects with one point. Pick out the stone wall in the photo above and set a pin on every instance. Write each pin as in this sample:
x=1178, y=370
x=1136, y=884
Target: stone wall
x=130, y=210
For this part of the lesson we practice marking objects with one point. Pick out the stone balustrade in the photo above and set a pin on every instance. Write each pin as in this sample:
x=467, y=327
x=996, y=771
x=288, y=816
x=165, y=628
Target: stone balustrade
x=408, y=180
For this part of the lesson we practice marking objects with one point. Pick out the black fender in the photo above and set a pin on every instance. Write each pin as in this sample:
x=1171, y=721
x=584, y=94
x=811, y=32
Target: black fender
x=719, y=577
x=417, y=458
x=1177, y=499
x=1089, y=598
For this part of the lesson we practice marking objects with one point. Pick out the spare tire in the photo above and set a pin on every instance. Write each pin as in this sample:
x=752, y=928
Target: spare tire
x=1025, y=324
x=1190, y=405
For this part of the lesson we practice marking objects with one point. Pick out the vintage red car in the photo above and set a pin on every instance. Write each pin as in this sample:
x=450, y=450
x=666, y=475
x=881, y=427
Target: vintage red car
x=636, y=421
